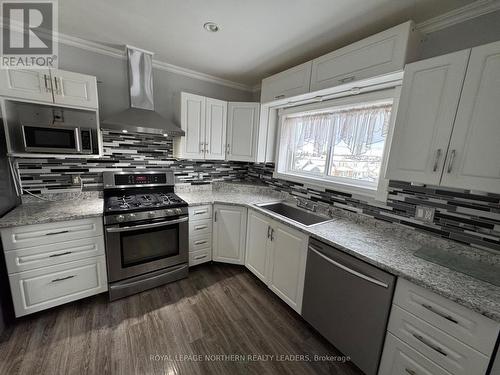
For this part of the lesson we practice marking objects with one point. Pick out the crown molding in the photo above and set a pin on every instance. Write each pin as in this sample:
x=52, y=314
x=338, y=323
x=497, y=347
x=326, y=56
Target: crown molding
x=462, y=14
x=120, y=54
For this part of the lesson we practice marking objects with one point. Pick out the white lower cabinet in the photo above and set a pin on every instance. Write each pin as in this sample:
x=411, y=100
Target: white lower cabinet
x=428, y=334
x=54, y=263
x=200, y=234
x=229, y=233
x=277, y=254
x=46, y=287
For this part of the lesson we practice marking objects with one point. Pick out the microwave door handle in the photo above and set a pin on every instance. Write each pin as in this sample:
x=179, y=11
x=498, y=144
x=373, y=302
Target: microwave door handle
x=78, y=141
x=146, y=226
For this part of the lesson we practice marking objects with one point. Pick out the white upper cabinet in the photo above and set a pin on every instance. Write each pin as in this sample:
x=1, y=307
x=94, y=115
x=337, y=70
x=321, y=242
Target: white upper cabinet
x=242, y=130
x=473, y=160
x=424, y=122
x=28, y=84
x=266, y=139
x=215, y=129
x=193, y=115
x=74, y=89
x=229, y=233
x=291, y=82
x=50, y=86
x=378, y=54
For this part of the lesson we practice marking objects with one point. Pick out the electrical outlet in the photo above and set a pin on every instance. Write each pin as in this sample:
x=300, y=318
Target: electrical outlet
x=76, y=180
x=425, y=214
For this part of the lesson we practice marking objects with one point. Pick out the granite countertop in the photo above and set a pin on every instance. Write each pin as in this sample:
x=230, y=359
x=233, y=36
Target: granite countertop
x=47, y=212
x=387, y=246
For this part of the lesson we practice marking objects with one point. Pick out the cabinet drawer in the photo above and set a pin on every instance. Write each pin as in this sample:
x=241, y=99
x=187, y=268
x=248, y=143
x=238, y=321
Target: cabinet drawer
x=441, y=348
x=48, y=255
x=200, y=256
x=200, y=242
x=46, y=287
x=400, y=359
x=42, y=234
x=200, y=227
x=467, y=326
x=200, y=213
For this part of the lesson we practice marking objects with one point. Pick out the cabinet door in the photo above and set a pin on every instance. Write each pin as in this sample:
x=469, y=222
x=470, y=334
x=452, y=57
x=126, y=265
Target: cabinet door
x=28, y=84
x=193, y=116
x=424, y=122
x=258, y=233
x=215, y=136
x=378, y=54
x=266, y=140
x=230, y=224
x=473, y=160
x=74, y=89
x=291, y=82
x=288, y=264
x=242, y=131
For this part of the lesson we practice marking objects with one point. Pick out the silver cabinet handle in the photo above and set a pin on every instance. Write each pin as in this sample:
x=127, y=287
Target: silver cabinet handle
x=203, y=226
x=436, y=161
x=411, y=372
x=433, y=310
x=268, y=231
x=452, y=159
x=227, y=148
x=199, y=212
x=56, y=86
x=425, y=342
x=201, y=242
x=201, y=147
x=62, y=278
x=347, y=79
x=53, y=233
x=279, y=96
x=351, y=271
x=60, y=254
x=215, y=216
x=146, y=226
x=272, y=234
x=200, y=257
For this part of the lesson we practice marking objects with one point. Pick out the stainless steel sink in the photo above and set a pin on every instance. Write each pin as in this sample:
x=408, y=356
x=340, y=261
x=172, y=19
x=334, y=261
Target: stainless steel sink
x=291, y=212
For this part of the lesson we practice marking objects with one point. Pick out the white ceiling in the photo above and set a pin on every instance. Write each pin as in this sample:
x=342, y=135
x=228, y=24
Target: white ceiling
x=257, y=37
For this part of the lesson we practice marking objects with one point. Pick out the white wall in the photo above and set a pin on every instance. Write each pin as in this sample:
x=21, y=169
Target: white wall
x=113, y=86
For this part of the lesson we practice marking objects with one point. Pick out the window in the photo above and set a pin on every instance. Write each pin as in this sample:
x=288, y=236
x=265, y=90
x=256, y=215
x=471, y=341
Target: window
x=342, y=143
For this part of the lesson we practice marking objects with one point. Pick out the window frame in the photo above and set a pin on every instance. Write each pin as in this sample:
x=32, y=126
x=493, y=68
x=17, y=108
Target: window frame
x=341, y=184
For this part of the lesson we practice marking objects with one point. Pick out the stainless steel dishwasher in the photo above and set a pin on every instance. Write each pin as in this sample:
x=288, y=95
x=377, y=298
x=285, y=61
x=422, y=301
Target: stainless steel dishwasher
x=348, y=302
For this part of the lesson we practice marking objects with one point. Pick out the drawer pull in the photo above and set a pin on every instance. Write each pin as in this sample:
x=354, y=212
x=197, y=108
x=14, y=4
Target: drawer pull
x=201, y=242
x=52, y=233
x=199, y=212
x=198, y=227
x=411, y=372
x=63, y=278
x=347, y=79
x=279, y=96
x=432, y=309
x=200, y=257
x=425, y=342
x=60, y=254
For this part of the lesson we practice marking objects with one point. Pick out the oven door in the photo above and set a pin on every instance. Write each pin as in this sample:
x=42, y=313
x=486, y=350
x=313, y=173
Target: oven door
x=51, y=139
x=133, y=250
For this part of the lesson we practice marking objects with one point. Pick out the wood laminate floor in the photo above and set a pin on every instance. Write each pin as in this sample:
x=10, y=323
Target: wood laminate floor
x=209, y=323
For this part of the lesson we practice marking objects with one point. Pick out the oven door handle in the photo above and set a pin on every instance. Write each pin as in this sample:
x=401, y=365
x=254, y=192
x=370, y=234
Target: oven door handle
x=146, y=226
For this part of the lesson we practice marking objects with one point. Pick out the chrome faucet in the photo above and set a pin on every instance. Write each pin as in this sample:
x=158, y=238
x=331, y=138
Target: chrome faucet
x=306, y=204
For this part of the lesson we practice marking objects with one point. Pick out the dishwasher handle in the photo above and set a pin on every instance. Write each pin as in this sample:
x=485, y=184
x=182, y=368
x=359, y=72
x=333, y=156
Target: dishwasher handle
x=347, y=269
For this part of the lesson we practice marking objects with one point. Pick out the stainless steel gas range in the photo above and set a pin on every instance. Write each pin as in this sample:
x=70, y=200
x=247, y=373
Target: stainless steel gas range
x=146, y=231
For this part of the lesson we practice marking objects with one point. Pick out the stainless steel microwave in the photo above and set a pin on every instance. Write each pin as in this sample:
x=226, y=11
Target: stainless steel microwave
x=53, y=139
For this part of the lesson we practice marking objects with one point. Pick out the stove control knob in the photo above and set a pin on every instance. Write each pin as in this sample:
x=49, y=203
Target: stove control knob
x=120, y=218
x=131, y=216
x=178, y=211
x=170, y=212
x=151, y=214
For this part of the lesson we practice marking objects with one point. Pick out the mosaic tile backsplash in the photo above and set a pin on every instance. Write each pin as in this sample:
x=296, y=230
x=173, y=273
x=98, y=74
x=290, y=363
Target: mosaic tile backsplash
x=460, y=215
x=122, y=152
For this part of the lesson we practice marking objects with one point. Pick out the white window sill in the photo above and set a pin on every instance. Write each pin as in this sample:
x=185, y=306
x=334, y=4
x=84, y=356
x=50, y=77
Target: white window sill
x=379, y=193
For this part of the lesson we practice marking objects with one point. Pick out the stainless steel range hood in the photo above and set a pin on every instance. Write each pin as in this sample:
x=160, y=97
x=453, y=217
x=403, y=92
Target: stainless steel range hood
x=141, y=116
